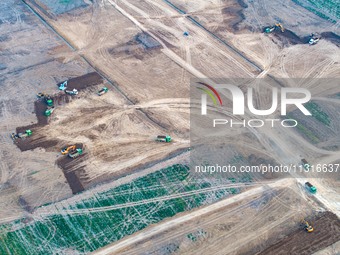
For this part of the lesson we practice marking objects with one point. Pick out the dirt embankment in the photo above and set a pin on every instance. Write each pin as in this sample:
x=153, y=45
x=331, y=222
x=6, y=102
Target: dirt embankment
x=79, y=83
x=68, y=165
x=233, y=17
x=326, y=232
x=288, y=37
x=84, y=81
x=72, y=171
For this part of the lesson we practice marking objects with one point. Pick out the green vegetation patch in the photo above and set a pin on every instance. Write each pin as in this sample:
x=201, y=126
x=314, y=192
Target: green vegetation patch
x=317, y=5
x=318, y=114
x=329, y=6
x=87, y=232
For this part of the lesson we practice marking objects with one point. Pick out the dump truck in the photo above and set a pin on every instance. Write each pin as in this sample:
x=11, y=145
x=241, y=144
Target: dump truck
x=75, y=153
x=49, y=111
x=71, y=92
x=63, y=85
x=164, y=138
x=103, y=91
x=314, y=38
x=27, y=133
x=67, y=149
x=312, y=189
x=271, y=29
x=305, y=164
x=307, y=226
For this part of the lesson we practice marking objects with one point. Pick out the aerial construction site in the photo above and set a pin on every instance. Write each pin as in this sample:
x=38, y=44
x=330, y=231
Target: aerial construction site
x=102, y=115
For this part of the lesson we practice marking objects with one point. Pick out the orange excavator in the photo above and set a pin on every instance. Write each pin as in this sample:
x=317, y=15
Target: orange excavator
x=307, y=226
x=271, y=29
x=279, y=25
x=67, y=149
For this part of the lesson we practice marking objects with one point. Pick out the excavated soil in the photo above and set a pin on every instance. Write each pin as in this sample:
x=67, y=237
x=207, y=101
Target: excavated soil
x=326, y=232
x=288, y=37
x=330, y=36
x=84, y=81
x=67, y=164
x=71, y=171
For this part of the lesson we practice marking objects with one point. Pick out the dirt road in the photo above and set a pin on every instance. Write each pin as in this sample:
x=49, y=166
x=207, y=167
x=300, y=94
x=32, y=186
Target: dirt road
x=119, y=247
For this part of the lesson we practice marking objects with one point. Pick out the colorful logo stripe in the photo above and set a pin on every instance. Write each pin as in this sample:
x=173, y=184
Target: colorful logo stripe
x=210, y=94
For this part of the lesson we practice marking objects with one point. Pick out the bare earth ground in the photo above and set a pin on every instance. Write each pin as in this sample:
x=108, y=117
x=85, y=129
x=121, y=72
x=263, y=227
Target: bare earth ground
x=149, y=90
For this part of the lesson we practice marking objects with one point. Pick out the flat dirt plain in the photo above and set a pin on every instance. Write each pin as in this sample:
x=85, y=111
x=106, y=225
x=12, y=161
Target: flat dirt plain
x=138, y=50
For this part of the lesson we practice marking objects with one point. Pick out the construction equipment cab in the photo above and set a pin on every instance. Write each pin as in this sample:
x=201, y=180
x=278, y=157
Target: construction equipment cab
x=75, y=153
x=310, y=187
x=72, y=92
x=164, y=138
x=314, y=38
x=48, y=100
x=103, y=91
x=49, y=111
x=271, y=29
x=307, y=226
x=67, y=149
x=27, y=133
x=63, y=85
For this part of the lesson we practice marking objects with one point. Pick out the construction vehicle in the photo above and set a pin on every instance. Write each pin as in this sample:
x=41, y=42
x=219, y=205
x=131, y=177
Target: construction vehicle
x=41, y=95
x=63, y=85
x=314, y=38
x=305, y=164
x=103, y=91
x=307, y=226
x=312, y=189
x=164, y=138
x=27, y=133
x=48, y=99
x=271, y=29
x=75, y=153
x=67, y=149
x=279, y=25
x=49, y=111
x=72, y=92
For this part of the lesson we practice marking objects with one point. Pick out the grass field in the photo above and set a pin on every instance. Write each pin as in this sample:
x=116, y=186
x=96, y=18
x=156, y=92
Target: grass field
x=318, y=114
x=89, y=231
x=325, y=9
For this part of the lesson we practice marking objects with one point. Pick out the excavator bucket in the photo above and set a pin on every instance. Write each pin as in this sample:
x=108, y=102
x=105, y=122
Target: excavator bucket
x=279, y=25
x=307, y=226
x=67, y=149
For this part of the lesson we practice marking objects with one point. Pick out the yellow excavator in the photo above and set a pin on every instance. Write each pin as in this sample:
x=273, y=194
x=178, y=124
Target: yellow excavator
x=279, y=25
x=271, y=29
x=68, y=149
x=307, y=226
